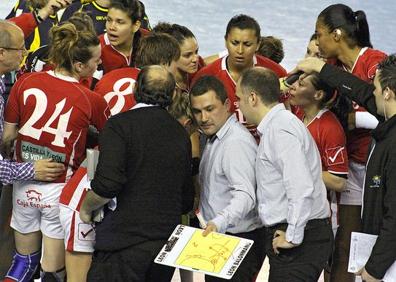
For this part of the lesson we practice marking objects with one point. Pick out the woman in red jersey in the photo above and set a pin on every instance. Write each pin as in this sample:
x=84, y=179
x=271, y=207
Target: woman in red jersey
x=343, y=38
x=123, y=32
x=189, y=62
x=48, y=113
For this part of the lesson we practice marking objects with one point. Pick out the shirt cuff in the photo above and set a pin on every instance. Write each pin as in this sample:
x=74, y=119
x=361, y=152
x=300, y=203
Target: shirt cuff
x=221, y=223
x=365, y=120
x=294, y=235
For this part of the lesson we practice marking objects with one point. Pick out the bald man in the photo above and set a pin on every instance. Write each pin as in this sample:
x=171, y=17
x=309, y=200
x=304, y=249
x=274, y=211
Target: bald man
x=145, y=162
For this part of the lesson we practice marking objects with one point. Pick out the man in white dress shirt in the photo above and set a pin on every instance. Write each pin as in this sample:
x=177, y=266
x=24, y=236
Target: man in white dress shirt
x=226, y=173
x=291, y=194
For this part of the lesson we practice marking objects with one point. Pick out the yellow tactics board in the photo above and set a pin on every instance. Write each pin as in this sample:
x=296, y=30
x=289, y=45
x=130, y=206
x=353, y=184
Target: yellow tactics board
x=216, y=254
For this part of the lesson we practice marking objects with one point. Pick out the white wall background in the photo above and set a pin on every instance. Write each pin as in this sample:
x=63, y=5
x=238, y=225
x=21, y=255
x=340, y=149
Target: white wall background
x=292, y=21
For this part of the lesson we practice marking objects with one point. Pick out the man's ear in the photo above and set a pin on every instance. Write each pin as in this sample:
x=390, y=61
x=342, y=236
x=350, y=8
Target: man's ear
x=388, y=93
x=227, y=103
x=253, y=98
x=2, y=51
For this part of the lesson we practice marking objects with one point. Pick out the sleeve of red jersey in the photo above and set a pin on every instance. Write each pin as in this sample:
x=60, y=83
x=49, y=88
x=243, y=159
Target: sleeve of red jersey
x=26, y=22
x=100, y=111
x=12, y=109
x=335, y=153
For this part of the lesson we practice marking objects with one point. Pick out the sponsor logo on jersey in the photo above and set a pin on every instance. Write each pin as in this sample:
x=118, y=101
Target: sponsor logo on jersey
x=31, y=152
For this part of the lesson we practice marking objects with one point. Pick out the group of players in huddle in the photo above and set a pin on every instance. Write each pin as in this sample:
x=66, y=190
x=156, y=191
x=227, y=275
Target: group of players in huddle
x=82, y=68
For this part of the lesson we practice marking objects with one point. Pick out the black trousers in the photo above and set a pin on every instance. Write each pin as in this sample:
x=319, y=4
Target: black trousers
x=133, y=264
x=305, y=262
x=253, y=261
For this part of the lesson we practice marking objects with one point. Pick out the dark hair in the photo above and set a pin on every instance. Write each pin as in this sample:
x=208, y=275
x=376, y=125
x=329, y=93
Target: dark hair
x=387, y=73
x=272, y=48
x=179, y=32
x=319, y=84
x=243, y=22
x=262, y=81
x=157, y=49
x=206, y=84
x=68, y=45
x=353, y=24
x=154, y=89
x=133, y=8
x=341, y=105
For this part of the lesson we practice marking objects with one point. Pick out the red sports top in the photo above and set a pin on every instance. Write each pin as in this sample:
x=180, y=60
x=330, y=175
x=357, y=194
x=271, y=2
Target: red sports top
x=117, y=89
x=329, y=136
x=113, y=59
x=358, y=140
x=53, y=118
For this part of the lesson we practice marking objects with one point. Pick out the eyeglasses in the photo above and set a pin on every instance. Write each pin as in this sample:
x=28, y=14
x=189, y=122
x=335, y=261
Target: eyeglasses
x=23, y=49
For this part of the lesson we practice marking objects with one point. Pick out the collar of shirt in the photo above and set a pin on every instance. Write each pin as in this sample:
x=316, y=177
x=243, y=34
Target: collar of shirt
x=223, y=130
x=142, y=105
x=224, y=62
x=263, y=123
x=61, y=76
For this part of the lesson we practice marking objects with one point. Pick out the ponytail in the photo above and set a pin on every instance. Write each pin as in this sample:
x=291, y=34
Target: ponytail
x=68, y=45
x=353, y=24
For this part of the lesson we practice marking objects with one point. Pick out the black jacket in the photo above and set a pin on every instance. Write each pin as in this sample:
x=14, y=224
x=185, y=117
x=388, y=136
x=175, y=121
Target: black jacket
x=379, y=203
x=145, y=161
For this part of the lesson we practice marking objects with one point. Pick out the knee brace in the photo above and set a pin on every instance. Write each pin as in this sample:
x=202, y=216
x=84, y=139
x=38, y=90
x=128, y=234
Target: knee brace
x=23, y=267
x=58, y=276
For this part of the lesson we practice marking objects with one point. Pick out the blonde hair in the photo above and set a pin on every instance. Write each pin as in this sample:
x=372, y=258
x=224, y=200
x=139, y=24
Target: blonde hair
x=69, y=46
x=180, y=106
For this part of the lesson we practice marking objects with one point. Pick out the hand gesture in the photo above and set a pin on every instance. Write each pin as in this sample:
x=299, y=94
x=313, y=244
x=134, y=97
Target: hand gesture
x=279, y=242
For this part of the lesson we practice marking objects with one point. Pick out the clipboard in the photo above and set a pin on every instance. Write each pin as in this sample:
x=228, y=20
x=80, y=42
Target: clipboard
x=216, y=254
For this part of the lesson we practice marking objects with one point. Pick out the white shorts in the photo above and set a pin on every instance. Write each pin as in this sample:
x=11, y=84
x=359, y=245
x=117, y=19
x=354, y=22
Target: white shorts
x=79, y=236
x=36, y=208
x=352, y=195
